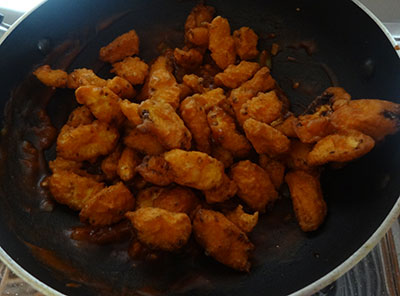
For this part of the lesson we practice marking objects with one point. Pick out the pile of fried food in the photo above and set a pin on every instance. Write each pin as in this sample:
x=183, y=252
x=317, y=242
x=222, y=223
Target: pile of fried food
x=200, y=127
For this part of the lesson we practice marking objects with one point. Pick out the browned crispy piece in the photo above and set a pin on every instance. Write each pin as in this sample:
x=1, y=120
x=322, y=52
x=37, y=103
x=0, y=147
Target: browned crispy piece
x=195, y=118
x=81, y=77
x=80, y=116
x=286, y=126
x=86, y=142
x=313, y=127
x=194, y=82
x=127, y=164
x=265, y=107
x=123, y=46
x=223, y=155
x=308, y=203
x=61, y=164
x=221, y=193
x=196, y=30
x=131, y=111
x=161, y=84
x=174, y=199
x=161, y=120
x=222, y=239
x=102, y=102
x=185, y=91
x=156, y=170
x=224, y=132
x=211, y=98
x=255, y=187
x=265, y=139
x=375, y=118
x=194, y=169
x=198, y=36
x=108, y=206
x=160, y=229
x=189, y=59
x=143, y=142
x=297, y=156
x=341, y=147
x=261, y=82
x=274, y=168
x=121, y=87
x=221, y=42
x=246, y=222
x=133, y=69
x=50, y=77
x=246, y=43
x=235, y=75
x=338, y=96
x=109, y=164
x=71, y=189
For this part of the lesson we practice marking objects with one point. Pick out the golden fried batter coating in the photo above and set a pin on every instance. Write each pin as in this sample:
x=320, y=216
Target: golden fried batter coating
x=123, y=46
x=195, y=118
x=246, y=222
x=121, y=87
x=81, y=77
x=286, y=126
x=224, y=132
x=221, y=193
x=375, y=118
x=211, y=98
x=341, y=147
x=194, y=169
x=160, y=229
x=297, y=155
x=221, y=43
x=161, y=84
x=174, y=199
x=61, y=164
x=188, y=59
x=246, y=43
x=261, y=82
x=156, y=170
x=196, y=30
x=274, y=168
x=109, y=164
x=265, y=107
x=161, y=120
x=235, y=75
x=143, y=142
x=71, y=189
x=255, y=187
x=312, y=128
x=132, y=69
x=108, y=206
x=198, y=36
x=49, y=77
x=80, y=116
x=223, y=155
x=194, y=82
x=222, y=239
x=338, y=96
x=102, y=102
x=308, y=203
x=127, y=164
x=131, y=111
x=264, y=138
x=86, y=142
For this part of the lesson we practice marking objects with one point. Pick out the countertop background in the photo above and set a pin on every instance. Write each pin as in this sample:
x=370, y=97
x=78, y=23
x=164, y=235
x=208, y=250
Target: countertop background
x=378, y=274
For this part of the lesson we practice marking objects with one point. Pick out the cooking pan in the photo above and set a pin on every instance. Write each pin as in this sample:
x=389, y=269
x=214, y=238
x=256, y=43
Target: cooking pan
x=335, y=43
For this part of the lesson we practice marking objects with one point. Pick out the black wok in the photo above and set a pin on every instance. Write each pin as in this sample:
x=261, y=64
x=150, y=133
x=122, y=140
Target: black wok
x=344, y=46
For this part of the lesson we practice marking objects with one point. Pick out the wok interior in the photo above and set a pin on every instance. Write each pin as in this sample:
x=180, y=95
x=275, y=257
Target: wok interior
x=349, y=50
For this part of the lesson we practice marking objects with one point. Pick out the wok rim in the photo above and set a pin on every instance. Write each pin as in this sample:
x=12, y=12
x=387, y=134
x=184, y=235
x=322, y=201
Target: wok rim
x=310, y=289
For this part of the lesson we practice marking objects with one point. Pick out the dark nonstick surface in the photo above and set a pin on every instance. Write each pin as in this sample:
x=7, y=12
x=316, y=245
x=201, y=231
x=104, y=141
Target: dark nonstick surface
x=348, y=49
